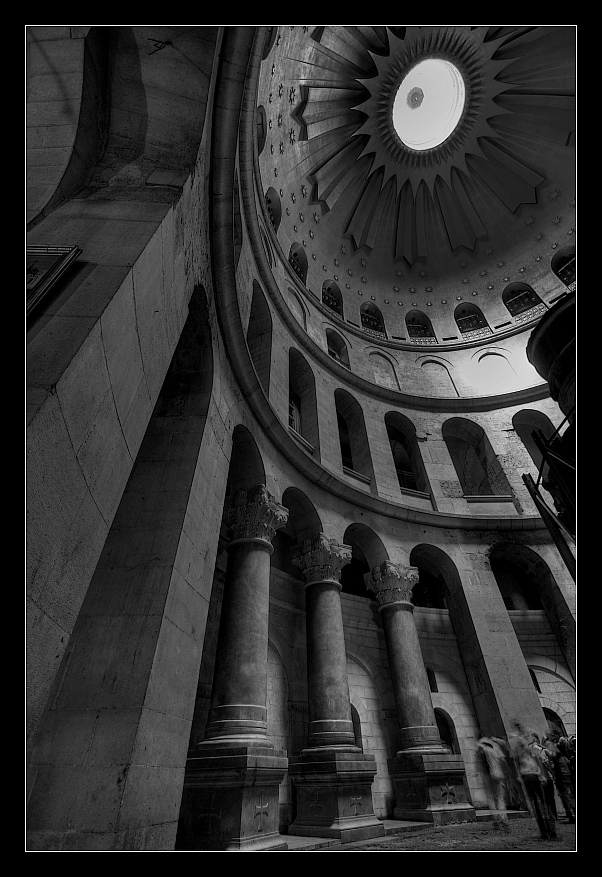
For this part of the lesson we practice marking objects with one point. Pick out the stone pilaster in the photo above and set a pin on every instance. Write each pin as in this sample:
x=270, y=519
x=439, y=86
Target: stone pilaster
x=430, y=782
x=333, y=778
x=230, y=797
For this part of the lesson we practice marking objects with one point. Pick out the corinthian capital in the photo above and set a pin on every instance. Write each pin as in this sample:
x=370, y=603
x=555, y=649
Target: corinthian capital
x=393, y=583
x=321, y=559
x=255, y=514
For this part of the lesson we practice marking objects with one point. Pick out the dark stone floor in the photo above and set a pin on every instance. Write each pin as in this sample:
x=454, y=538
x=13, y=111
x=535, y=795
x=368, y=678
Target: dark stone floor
x=471, y=837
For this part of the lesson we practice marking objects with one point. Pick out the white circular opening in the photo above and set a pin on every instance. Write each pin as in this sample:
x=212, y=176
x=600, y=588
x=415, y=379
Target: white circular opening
x=428, y=104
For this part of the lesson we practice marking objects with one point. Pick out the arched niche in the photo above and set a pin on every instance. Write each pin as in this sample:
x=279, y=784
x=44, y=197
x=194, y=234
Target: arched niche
x=419, y=326
x=372, y=319
x=297, y=259
x=440, y=377
x=353, y=437
x=520, y=297
x=383, y=371
x=246, y=468
x=469, y=318
x=527, y=422
x=409, y=466
x=274, y=207
x=477, y=467
x=261, y=129
x=332, y=297
x=337, y=348
x=564, y=266
x=541, y=579
x=303, y=523
x=492, y=373
x=303, y=410
x=516, y=588
x=368, y=551
x=259, y=337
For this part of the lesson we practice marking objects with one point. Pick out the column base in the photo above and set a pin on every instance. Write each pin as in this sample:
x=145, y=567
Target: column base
x=431, y=788
x=230, y=800
x=334, y=795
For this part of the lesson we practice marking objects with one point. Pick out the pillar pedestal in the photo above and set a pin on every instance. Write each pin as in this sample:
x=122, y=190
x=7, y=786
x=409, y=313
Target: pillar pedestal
x=431, y=788
x=230, y=799
x=334, y=795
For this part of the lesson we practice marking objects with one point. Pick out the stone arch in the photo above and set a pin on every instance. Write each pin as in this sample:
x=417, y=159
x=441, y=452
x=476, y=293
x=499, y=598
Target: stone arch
x=270, y=38
x=519, y=297
x=303, y=522
x=469, y=318
x=368, y=551
x=494, y=373
x=441, y=373
x=337, y=348
x=564, y=266
x=447, y=730
x=409, y=465
x=261, y=128
x=273, y=207
x=353, y=437
x=383, y=370
x=303, y=408
x=332, y=297
x=372, y=319
x=259, y=337
x=431, y=590
x=297, y=259
x=532, y=565
x=246, y=464
x=419, y=326
x=477, y=467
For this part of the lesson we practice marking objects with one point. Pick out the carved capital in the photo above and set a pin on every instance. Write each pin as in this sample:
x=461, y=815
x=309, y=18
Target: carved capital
x=392, y=583
x=255, y=514
x=321, y=559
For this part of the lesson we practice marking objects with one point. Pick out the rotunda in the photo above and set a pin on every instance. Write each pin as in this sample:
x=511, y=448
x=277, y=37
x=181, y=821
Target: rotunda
x=285, y=568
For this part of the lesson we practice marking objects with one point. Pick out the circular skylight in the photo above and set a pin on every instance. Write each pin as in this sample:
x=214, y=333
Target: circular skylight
x=428, y=104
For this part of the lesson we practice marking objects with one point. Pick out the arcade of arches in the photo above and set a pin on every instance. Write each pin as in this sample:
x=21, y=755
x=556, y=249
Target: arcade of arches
x=284, y=567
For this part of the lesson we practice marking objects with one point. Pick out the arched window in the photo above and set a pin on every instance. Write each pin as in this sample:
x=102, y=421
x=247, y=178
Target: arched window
x=525, y=424
x=367, y=551
x=259, y=337
x=262, y=128
x=384, y=371
x=564, y=266
x=372, y=319
x=353, y=438
x=519, y=298
x=337, y=348
x=494, y=374
x=302, y=411
x=429, y=592
x=420, y=329
x=298, y=261
x=440, y=377
x=447, y=732
x=516, y=588
x=331, y=297
x=274, y=207
x=470, y=321
x=407, y=459
x=477, y=467
x=555, y=723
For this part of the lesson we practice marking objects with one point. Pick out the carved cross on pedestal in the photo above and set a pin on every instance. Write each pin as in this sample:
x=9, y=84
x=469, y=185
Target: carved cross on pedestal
x=261, y=810
x=355, y=801
x=210, y=815
x=315, y=804
x=448, y=792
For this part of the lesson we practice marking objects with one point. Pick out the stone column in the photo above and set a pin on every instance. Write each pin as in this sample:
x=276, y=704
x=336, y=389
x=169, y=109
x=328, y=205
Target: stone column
x=429, y=781
x=231, y=787
x=332, y=777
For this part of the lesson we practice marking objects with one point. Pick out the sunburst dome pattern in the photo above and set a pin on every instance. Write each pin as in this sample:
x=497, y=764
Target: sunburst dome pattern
x=421, y=208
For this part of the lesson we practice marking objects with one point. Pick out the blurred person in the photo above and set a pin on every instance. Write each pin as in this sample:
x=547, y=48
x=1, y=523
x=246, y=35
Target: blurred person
x=562, y=775
x=522, y=746
x=496, y=766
